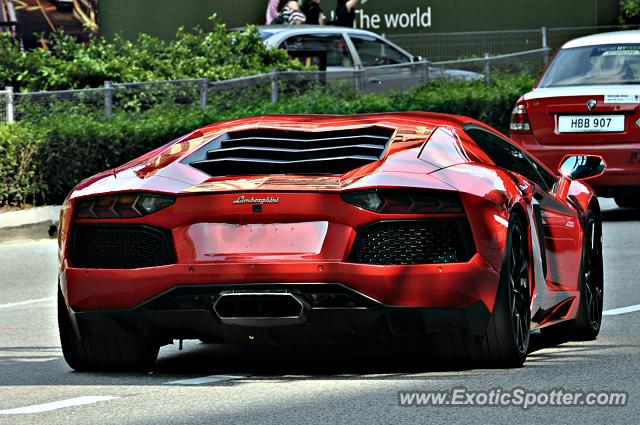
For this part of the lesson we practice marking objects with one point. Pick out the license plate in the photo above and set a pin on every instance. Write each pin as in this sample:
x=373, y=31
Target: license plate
x=590, y=123
x=215, y=240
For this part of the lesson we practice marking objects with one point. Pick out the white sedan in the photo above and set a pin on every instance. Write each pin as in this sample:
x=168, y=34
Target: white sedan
x=386, y=65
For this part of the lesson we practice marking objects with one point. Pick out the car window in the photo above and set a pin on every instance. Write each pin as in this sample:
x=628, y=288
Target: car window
x=508, y=156
x=374, y=52
x=608, y=64
x=334, y=44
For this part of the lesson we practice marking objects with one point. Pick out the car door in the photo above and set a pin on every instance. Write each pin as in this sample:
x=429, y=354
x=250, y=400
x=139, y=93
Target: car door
x=557, y=223
x=385, y=66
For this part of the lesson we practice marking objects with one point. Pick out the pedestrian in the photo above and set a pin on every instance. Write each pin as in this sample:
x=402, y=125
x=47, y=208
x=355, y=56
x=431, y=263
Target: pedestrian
x=289, y=14
x=273, y=8
x=313, y=12
x=346, y=13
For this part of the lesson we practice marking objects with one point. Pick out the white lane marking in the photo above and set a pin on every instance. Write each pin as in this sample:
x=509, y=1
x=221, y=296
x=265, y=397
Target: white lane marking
x=30, y=360
x=622, y=310
x=46, y=407
x=204, y=380
x=27, y=302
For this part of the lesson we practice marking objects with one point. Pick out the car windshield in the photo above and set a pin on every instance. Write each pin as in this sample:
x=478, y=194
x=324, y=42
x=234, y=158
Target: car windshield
x=266, y=34
x=594, y=65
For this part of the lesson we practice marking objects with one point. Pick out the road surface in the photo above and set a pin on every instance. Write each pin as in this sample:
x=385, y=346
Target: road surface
x=208, y=384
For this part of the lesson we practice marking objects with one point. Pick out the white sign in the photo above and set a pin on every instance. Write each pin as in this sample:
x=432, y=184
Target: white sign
x=622, y=98
x=420, y=18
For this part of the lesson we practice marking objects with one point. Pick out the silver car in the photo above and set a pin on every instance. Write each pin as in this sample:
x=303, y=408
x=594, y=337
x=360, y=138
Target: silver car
x=385, y=65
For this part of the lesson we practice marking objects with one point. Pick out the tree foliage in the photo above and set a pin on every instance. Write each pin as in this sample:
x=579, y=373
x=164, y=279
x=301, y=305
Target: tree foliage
x=68, y=64
x=629, y=11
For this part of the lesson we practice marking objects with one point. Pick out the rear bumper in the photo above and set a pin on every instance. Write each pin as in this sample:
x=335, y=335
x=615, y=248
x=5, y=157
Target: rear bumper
x=452, y=285
x=623, y=160
x=188, y=313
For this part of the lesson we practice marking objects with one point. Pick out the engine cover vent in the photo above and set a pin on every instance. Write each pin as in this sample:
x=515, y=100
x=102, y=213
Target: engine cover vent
x=267, y=151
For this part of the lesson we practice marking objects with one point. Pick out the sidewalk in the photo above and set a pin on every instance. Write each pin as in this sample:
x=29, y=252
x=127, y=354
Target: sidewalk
x=32, y=223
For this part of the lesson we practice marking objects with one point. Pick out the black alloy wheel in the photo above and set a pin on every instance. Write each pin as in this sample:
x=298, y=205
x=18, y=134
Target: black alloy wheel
x=519, y=285
x=592, y=281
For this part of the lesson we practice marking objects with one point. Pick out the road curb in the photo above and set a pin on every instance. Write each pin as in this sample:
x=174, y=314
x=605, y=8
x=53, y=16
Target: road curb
x=29, y=224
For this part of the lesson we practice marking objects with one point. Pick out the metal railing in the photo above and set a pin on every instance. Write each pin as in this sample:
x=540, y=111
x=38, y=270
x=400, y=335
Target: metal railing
x=253, y=90
x=456, y=45
x=449, y=54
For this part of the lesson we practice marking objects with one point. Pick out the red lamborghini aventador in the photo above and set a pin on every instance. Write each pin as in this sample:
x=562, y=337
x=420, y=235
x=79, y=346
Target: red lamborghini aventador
x=306, y=229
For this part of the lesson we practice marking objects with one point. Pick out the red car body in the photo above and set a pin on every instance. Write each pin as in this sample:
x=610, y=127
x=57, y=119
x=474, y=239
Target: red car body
x=297, y=233
x=595, y=90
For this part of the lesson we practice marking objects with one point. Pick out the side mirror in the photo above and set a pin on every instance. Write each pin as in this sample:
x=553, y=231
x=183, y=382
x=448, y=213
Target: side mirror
x=582, y=167
x=578, y=167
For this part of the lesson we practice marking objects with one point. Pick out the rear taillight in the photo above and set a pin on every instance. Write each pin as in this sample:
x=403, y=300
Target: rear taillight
x=393, y=201
x=129, y=205
x=520, y=120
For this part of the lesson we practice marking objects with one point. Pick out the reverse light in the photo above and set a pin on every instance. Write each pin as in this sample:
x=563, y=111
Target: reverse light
x=128, y=205
x=394, y=201
x=520, y=120
x=369, y=200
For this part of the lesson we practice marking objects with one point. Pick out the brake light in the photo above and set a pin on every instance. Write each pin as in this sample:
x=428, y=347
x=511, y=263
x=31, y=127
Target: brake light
x=520, y=120
x=129, y=205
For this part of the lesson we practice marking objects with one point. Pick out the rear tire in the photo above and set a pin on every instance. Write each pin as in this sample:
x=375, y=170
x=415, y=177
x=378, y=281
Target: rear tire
x=101, y=352
x=505, y=343
x=506, y=340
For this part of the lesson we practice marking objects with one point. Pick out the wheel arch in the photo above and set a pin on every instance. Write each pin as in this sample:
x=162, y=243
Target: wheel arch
x=537, y=273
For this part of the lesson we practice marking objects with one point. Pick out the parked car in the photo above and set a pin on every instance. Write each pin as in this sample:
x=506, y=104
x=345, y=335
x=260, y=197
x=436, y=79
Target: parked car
x=347, y=49
x=321, y=229
x=588, y=100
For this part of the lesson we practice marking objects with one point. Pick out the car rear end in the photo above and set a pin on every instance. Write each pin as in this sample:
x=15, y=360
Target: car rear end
x=282, y=258
x=588, y=101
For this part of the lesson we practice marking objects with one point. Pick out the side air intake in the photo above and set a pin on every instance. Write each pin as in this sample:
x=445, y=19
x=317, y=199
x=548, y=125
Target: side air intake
x=264, y=151
x=114, y=246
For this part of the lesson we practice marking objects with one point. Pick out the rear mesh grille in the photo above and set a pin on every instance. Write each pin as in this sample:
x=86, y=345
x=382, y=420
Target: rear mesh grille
x=120, y=247
x=413, y=242
x=265, y=151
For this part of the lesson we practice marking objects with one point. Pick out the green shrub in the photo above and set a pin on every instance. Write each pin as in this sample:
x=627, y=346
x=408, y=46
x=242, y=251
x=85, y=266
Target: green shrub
x=41, y=161
x=215, y=54
x=21, y=178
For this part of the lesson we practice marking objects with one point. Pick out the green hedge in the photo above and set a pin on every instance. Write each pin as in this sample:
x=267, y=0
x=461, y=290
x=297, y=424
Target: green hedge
x=21, y=180
x=40, y=161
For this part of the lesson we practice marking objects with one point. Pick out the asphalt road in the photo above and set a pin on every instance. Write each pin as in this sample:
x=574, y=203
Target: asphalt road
x=285, y=386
